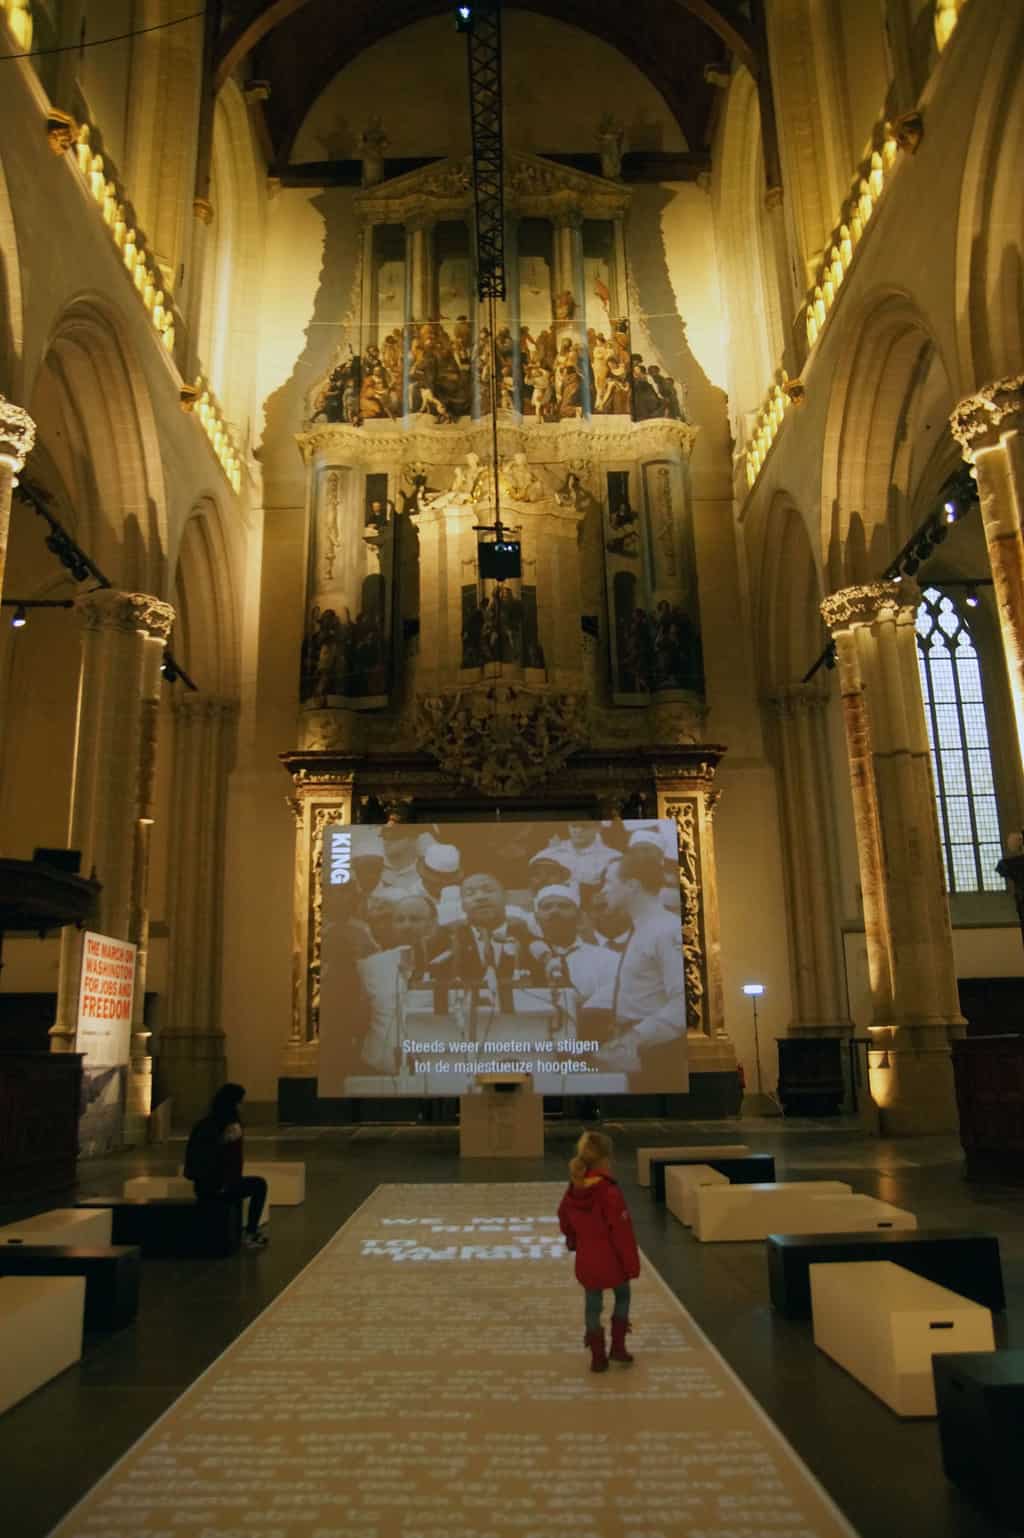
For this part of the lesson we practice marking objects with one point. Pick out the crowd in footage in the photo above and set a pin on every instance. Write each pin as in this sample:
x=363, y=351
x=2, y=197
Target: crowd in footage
x=543, y=933
x=447, y=373
x=500, y=628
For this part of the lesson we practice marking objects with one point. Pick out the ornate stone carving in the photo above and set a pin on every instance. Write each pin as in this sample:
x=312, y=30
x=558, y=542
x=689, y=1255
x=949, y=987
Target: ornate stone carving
x=594, y=442
x=979, y=420
x=108, y=609
x=908, y=131
x=372, y=143
x=684, y=814
x=17, y=434
x=794, y=388
x=677, y=723
x=330, y=731
x=611, y=136
x=862, y=605
x=61, y=130
x=501, y=738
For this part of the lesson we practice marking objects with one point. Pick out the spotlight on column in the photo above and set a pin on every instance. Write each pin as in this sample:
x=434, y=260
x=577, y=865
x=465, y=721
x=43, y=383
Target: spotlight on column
x=971, y=598
x=950, y=510
x=20, y=619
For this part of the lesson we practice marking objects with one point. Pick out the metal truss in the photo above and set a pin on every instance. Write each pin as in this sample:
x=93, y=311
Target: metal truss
x=484, y=37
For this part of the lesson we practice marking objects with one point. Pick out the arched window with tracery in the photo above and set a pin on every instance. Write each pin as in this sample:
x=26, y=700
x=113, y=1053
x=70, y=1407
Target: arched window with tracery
x=954, y=705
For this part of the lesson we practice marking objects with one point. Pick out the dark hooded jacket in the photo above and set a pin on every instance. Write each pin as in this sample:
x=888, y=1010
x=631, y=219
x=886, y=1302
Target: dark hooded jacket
x=595, y=1221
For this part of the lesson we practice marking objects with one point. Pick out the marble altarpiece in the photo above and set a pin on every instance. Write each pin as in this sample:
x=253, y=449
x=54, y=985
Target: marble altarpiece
x=578, y=685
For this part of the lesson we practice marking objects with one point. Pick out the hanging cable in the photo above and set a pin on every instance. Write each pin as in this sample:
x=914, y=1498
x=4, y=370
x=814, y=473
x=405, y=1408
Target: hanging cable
x=101, y=42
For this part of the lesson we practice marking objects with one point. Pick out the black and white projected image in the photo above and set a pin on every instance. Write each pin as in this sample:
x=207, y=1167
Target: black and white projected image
x=553, y=949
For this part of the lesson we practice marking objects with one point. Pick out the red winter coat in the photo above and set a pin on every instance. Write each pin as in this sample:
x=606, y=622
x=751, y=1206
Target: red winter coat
x=595, y=1221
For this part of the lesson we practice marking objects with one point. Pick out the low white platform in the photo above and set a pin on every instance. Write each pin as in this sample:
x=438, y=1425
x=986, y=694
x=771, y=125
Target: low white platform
x=884, y=1324
x=143, y=1188
x=286, y=1183
x=753, y=1212
x=40, y=1331
x=854, y=1214
x=63, y=1225
x=719, y=1151
x=682, y=1181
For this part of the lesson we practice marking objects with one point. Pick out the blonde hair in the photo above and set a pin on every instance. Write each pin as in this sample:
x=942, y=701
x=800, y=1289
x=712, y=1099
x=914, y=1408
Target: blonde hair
x=592, y=1149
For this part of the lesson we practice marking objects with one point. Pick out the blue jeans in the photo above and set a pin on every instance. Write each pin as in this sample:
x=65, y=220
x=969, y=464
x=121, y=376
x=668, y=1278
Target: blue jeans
x=594, y=1301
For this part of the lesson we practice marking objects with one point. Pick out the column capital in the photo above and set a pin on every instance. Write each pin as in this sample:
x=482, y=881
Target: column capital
x=17, y=434
x=863, y=604
x=980, y=420
x=109, y=609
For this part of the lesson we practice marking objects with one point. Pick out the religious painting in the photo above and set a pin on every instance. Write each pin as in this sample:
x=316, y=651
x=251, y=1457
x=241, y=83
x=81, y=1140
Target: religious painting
x=500, y=625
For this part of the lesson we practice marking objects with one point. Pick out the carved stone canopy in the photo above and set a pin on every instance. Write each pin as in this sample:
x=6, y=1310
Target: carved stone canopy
x=108, y=609
x=17, y=434
x=501, y=738
x=979, y=420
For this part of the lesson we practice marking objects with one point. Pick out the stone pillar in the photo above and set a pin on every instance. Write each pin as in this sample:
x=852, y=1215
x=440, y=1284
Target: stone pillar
x=809, y=860
x=419, y=249
x=906, y=915
x=111, y=795
x=319, y=798
x=17, y=437
x=989, y=426
x=689, y=800
x=191, y=1044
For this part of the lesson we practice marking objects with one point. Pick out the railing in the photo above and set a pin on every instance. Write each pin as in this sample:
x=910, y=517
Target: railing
x=766, y=425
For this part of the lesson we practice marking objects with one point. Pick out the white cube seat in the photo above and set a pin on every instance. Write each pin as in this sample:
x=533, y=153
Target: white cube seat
x=63, y=1226
x=40, y=1331
x=681, y=1185
x=884, y=1324
x=694, y=1151
x=753, y=1212
x=286, y=1180
x=157, y=1187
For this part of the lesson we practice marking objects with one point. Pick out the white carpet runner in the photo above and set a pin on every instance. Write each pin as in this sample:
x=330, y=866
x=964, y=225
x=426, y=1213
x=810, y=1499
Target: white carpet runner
x=424, y=1377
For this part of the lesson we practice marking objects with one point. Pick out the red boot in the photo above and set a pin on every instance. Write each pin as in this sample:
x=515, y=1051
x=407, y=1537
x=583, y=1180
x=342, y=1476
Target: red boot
x=598, y=1358
x=618, y=1352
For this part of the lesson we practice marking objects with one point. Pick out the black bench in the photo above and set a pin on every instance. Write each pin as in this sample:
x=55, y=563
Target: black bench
x=111, y=1274
x=979, y=1396
x=965, y=1262
x=741, y=1169
x=179, y=1227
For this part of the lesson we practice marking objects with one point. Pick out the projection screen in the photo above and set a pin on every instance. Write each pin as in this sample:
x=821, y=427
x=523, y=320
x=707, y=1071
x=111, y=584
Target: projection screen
x=553, y=949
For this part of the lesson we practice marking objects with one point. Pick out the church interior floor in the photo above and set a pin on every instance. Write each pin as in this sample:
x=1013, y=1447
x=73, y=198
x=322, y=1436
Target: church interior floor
x=883, y=1472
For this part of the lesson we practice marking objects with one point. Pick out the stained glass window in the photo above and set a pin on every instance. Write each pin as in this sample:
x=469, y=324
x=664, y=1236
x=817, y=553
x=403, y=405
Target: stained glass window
x=954, y=708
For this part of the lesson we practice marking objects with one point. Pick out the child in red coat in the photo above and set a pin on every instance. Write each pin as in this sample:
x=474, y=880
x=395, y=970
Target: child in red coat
x=595, y=1221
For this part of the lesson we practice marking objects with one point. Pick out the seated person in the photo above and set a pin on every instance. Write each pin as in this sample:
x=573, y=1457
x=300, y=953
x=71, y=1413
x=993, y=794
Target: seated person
x=214, y=1161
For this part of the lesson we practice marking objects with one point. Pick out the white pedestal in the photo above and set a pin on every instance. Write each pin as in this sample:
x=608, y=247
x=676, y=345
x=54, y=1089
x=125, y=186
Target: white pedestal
x=719, y=1151
x=40, y=1331
x=682, y=1181
x=884, y=1324
x=502, y=1119
x=144, y=1188
x=754, y=1212
x=854, y=1214
x=64, y=1226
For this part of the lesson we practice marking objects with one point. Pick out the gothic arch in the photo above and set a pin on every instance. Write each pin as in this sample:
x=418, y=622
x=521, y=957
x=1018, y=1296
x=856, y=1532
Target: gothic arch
x=990, y=238
x=93, y=411
x=890, y=404
x=11, y=302
x=206, y=628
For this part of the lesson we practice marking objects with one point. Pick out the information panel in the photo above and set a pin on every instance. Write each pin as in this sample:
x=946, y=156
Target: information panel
x=553, y=949
x=105, y=997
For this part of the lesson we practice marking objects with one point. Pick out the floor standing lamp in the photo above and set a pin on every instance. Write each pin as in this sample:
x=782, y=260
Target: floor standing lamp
x=759, y=1104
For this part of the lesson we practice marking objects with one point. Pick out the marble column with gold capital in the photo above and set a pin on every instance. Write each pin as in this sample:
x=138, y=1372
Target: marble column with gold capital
x=689, y=799
x=318, y=799
x=988, y=426
x=17, y=437
x=915, y=1005
x=123, y=637
x=191, y=1046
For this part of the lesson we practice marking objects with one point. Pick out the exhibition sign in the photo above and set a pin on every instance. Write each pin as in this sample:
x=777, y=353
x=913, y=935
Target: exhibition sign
x=548, y=949
x=106, y=997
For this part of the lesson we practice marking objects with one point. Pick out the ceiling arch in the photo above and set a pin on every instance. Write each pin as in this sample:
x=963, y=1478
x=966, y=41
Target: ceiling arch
x=298, y=46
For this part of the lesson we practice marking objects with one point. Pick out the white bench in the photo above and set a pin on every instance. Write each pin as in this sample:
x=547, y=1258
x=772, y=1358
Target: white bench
x=719, y=1151
x=884, y=1324
x=145, y=1188
x=854, y=1214
x=681, y=1185
x=753, y=1212
x=40, y=1331
x=286, y=1181
x=62, y=1226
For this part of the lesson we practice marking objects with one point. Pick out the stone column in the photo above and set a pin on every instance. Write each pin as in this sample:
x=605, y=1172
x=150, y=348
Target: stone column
x=906, y=915
x=320, y=797
x=419, y=249
x=191, y=1044
x=809, y=845
x=17, y=437
x=111, y=794
x=689, y=800
x=989, y=426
